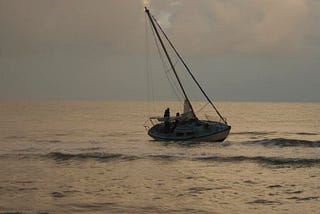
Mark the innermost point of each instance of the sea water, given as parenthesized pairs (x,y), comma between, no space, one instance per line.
(96,157)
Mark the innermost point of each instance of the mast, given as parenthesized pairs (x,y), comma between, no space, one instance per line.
(189,71)
(169,59)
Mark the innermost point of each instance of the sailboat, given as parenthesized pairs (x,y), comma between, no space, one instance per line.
(187,126)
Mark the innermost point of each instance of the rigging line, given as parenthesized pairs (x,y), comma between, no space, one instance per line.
(190,73)
(169,78)
(173,86)
(203,107)
(150,87)
(170,69)
(169,74)
(169,60)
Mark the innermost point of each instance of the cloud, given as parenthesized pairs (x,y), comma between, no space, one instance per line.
(196,27)
(280,27)
(146,3)
(246,26)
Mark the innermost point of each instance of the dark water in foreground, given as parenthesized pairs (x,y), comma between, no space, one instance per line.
(95,157)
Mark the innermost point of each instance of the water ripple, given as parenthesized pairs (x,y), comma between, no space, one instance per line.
(283,142)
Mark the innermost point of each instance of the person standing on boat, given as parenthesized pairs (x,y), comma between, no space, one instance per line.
(166,117)
(166,113)
(176,121)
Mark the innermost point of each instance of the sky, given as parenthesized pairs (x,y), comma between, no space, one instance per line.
(240,50)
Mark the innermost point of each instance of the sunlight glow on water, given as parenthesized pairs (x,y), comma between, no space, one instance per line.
(73,156)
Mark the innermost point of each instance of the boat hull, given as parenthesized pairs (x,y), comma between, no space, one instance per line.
(205,131)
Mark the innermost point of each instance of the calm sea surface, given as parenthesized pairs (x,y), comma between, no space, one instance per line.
(96,157)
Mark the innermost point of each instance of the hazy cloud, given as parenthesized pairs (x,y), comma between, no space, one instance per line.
(246,26)
(205,26)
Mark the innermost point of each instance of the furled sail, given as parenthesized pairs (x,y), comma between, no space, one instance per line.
(186,107)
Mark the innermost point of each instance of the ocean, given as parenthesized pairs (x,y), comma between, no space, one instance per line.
(96,157)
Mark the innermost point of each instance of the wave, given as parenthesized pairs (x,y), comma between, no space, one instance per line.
(252,133)
(283,142)
(81,156)
(269,133)
(20,212)
(263,201)
(306,133)
(176,157)
(110,156)
(264,160)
